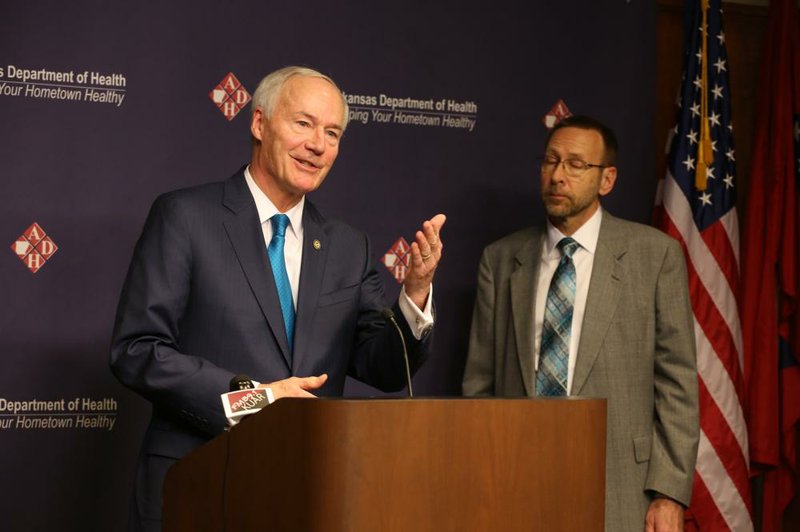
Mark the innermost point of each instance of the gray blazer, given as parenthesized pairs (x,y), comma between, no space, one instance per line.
(637,350)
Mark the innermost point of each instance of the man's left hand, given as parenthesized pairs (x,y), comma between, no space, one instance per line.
(664,515)
(426,252)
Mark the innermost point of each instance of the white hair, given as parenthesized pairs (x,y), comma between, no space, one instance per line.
(269,90)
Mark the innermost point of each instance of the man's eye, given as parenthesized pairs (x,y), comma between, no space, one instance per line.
(576,164)
(303,123)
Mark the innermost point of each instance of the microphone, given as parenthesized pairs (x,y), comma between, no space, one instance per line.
(389,315)
(241,382)
(244,399)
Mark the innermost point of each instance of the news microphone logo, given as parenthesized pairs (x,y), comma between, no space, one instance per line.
(247,400)
(244,399)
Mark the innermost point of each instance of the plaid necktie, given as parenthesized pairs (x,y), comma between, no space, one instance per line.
(276,260)
(551,377)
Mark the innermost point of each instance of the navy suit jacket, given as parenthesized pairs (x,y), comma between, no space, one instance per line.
(199,305)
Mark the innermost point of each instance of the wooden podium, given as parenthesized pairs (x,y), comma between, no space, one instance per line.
(398,465)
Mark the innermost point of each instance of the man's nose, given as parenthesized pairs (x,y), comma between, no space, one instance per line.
(316,141)
(559,172)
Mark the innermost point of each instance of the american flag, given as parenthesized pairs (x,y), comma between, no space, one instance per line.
(696,204)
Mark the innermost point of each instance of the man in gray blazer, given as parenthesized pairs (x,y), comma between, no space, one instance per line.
(616,323)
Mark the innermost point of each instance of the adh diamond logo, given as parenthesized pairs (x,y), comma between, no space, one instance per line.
(559,112)
(34,247)
(397,259)
(230,96)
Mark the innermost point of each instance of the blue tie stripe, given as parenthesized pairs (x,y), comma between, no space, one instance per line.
(278,263)
(551,377)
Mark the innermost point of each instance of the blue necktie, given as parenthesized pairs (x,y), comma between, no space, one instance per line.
(276,260)
(551,377)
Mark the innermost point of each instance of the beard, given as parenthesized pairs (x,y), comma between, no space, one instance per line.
(568,206)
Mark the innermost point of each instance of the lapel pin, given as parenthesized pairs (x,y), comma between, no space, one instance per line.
(317,244)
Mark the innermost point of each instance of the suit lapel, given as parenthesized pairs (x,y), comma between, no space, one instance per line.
(315,253)
(246,236)
(608,272)
(523,303)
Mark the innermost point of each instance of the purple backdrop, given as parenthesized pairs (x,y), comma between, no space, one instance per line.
(104,106)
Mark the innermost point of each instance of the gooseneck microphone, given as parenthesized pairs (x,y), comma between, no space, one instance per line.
(389,315)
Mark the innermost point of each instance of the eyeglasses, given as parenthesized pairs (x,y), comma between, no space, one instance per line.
(572,167)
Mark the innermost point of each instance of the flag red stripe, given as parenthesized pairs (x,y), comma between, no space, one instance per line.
(727,448)
(716,238)
(716,332)
(704,509)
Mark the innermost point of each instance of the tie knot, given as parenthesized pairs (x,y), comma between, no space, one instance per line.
(279,223)
(567,247)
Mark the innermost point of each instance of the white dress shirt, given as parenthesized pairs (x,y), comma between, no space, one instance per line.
(583,259)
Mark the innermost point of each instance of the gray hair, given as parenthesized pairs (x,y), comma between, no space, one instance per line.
(269,89)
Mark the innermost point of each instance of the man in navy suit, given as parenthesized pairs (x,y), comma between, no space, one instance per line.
(202,303)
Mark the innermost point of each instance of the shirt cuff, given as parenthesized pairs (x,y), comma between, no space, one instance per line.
(420,321)
(656,495)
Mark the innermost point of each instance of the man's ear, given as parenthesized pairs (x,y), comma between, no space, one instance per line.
(257,124)
(607,180)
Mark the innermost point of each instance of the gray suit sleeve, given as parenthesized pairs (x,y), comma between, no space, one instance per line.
(479,374)
(676,423)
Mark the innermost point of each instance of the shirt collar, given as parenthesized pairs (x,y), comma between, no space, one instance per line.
(586,235)
(266,209)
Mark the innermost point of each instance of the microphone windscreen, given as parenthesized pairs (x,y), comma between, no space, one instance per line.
(241,382)
(387,313)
